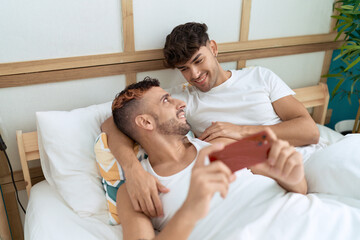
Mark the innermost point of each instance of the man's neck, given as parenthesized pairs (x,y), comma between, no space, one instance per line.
(223,76)
(169,154)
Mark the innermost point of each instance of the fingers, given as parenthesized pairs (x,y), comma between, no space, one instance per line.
(285,163)
(143,207)
(135,204)
(211,182)
(160,187)
(276,148)
(271,135)
(209,131)
(293,169)
(218,167)
(150,204)
(205,152)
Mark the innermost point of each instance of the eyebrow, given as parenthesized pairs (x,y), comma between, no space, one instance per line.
(164,96)
(194,60)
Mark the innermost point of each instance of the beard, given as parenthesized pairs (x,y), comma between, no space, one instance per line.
(173,127)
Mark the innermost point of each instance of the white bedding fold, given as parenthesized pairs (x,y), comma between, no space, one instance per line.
(49,217)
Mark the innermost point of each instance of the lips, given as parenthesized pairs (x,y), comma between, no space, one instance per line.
(180,113)
(201,79)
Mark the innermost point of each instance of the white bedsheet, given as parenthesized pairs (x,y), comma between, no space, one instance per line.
(262,212)
(48,217)
(256,208)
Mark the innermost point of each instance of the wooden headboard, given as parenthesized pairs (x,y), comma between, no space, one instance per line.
(316,97)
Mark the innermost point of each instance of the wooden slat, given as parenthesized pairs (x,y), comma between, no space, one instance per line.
(4,225)
(128,34)
(244,27)
(128,25)
(328,54)
(356,128)
(130,78)
(30,141)
(276,42)
(17,231)
(326,65)
(20,185)
(18,175)
(317,97)
(148,55)
(274,52)
(78,73)
(23,160)
(32,155)
(117,69)
(78,62)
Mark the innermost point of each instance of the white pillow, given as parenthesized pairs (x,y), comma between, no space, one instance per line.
(336,169)
(329,135)
(66,146)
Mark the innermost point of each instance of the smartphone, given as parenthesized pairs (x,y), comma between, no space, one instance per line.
(244,153)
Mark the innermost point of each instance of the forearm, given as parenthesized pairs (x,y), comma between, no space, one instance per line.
(121,146)
(298,131)
(179,227)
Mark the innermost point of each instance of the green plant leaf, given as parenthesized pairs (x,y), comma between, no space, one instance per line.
(353,85)
(333,93)
(353,63)
(346,19)
(351,47)
(342,30)
(332,75)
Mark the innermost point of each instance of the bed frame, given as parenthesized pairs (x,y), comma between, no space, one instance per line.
(316,97)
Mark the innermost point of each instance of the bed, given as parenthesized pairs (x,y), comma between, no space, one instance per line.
(71,202)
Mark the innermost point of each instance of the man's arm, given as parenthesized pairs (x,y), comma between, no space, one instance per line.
(142,187)
(205,182)
(297,126)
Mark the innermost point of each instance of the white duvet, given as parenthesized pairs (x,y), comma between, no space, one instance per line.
(256,207)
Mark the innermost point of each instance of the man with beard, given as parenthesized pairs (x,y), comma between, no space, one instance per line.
(150,116)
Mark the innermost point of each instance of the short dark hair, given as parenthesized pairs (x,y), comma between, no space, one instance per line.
(183,42)
(127,105)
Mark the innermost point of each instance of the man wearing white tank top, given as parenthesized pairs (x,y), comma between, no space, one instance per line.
(206,200)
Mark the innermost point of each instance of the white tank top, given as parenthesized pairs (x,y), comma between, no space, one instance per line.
(178,184)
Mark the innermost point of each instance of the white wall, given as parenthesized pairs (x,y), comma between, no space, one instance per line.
(42,29)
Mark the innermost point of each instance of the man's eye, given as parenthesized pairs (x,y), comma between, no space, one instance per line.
(198,61)
(166,100)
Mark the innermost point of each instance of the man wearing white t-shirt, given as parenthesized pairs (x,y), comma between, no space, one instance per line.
(220,103)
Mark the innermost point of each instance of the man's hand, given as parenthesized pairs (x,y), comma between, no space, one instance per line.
(143,189)
(205,182)
(284,164)
(228,130)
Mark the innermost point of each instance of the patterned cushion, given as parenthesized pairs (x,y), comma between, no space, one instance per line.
(111,172)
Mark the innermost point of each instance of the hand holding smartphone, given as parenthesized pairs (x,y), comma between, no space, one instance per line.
(244,153)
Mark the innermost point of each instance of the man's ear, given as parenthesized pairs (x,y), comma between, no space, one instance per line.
(213,47)
(144,121)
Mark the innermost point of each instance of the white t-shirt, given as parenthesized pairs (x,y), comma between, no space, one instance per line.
(244,99)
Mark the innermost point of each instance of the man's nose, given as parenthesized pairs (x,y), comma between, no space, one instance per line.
(195,73)
(180,104)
